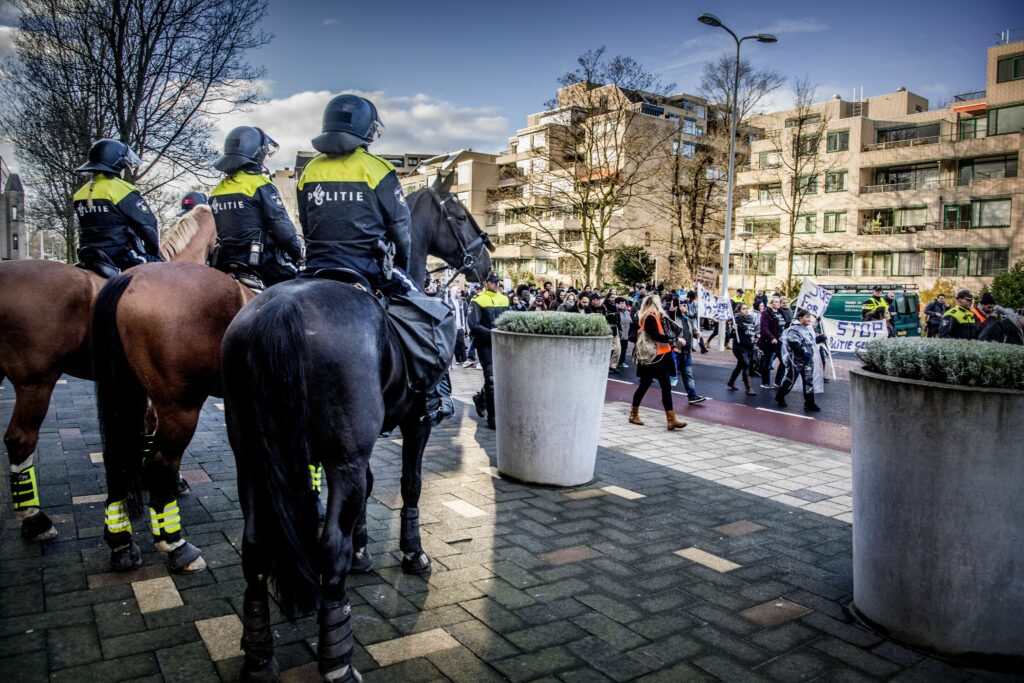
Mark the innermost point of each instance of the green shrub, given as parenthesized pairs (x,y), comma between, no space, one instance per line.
(948,361)
(554,323)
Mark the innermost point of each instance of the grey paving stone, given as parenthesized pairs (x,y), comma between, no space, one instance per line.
(185,663)
(70,646)
(484,642)
(532,665)
(133,667)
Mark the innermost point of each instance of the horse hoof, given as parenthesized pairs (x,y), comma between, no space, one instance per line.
(38,527)
(183,487)
(186,559)
(256,671)
(346,674)
(126,559)
(362,562)
(416,563)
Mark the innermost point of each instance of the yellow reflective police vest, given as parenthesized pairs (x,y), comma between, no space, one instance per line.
(962,315)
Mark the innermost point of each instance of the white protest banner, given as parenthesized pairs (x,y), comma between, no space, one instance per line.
(813,298)
(723,309)
(848,336)
(706,303)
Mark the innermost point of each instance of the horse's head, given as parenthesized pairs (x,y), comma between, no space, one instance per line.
(194,238)
(455,236)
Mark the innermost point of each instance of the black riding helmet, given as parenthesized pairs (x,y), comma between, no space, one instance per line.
(350,121)
(245,146)
(109,156)
(190,201)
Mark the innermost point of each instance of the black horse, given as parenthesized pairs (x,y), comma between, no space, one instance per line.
(312,375)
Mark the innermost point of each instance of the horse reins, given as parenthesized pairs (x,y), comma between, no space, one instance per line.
(477,244)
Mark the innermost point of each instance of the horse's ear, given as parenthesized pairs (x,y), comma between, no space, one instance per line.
(443,183)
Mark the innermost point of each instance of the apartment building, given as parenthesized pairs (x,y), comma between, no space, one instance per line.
(897,193)
(536,174)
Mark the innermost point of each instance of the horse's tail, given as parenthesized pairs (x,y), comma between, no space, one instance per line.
(120,397)
(265,388)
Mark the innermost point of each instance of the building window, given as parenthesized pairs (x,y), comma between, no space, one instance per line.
(990,213)
(14,242)
(763,226)
(835,221)
(806,222)
(689,150)
(806,145)
(803,264)
(538,140)
(807,184)
(834,264)
(973,128)
(908,263)
(689,126)
(979,262)
(927,131)
(491,218)
(647,239)
(897,178)
(541,267)
(878,264)
(1010,68)
(987,168)
(765,264)
(805,121)
(835,181)
(769,160)
(1006,120)
(768,192)
(839,141)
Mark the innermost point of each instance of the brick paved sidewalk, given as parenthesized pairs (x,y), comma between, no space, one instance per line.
(647,573)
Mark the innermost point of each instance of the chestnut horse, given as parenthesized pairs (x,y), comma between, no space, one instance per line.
(45,321)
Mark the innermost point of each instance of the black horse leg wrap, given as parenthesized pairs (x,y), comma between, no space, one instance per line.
(360,537)
(410,538)
(257,639)
(35,525)
(335,646)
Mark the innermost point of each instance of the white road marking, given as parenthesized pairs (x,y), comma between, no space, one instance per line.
(780,412)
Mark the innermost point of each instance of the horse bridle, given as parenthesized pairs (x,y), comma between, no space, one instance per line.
(476,246)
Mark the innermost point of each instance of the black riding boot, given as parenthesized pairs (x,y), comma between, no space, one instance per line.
(439,401)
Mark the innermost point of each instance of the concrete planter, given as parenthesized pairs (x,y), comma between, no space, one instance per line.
(938,514)
(548,395)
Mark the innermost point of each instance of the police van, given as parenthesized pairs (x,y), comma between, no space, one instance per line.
(904,305)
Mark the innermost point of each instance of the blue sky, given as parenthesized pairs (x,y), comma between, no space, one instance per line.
(457,74)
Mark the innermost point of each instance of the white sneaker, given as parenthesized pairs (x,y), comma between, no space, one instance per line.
(469,364)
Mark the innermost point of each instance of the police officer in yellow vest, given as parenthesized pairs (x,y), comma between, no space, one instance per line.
(484,309)
(736,301)
(253,226)
(959,322)
(114,221)
(351,206)
(874,303)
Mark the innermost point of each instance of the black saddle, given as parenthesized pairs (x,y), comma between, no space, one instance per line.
(245,274)
(96,261)
(345,275)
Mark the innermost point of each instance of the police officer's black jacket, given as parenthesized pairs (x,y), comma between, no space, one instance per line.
(246,206)
(346,204)
(112,214)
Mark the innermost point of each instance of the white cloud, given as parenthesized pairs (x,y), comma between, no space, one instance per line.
(784,26)
(330,21)
(414,124)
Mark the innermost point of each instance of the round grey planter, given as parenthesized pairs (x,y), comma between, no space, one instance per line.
(938,513)
(548,396)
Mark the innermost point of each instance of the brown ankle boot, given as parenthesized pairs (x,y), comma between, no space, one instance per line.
(673,423)
(634,416)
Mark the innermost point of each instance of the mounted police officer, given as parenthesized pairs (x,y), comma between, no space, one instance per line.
(253,227)
(351,206)
(354,215)
(115,224)
(190,201)
(959,322)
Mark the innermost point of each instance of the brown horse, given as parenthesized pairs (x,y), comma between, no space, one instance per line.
(45,322)
(156,335)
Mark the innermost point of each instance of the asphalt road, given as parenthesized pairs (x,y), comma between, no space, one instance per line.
(711,379)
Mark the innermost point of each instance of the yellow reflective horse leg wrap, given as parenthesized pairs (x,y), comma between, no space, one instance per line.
(24,489)
(166,522)
(116,518)
(316,476)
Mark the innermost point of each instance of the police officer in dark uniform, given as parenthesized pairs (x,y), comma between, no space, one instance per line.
(351,205)
(253,226)
(877,301)
(959,322)
(484,310)
(190,201)
(113,218)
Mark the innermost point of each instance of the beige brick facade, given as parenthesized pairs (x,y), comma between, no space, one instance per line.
(925,193)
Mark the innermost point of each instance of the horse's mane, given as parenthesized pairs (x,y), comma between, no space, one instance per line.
(184,231)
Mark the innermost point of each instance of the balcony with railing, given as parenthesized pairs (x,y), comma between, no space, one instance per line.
(876,227)
(913,184)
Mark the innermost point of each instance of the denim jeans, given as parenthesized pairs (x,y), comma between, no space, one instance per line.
(685,362)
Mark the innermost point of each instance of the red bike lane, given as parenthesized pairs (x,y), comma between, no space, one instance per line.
(808,430)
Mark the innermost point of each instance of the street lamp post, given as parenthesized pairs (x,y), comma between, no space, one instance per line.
(744,235)
(712,20)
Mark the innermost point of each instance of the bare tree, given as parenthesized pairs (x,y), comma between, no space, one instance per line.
(800,170)
(577,184)
(755,85)
(147,72)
